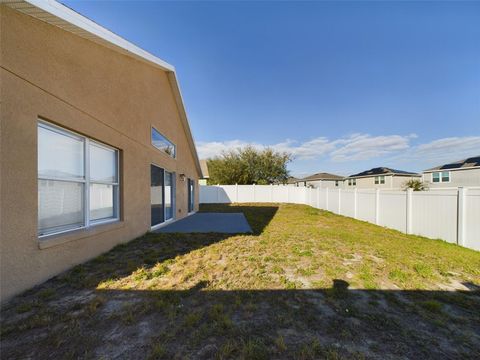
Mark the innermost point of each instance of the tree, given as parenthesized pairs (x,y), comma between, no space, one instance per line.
(249,166)
(415,184)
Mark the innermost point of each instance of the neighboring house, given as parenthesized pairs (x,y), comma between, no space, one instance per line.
(205,177)
(459,173)
(380,178)
(291,181)
(96,149)
(322,180)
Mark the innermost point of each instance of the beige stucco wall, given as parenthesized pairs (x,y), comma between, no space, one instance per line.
(49,73)
(467,177)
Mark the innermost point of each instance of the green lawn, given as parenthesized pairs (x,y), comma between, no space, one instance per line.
(307,284)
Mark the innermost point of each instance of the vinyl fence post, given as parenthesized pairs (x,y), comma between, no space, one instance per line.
(355,203)
(339,201)
(318,198)
(461,216)
(218,193)
(326,199)
(253,192)
(409,211)
(288,194)
(377,206)
(236,192)
(271,193)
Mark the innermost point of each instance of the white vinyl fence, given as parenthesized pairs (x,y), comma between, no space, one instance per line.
(450,214)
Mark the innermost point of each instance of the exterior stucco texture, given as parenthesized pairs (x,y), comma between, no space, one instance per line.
(51,74)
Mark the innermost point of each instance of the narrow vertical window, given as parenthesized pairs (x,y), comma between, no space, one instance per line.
(169,191)
(436,177)
(191,195)
(445,176)
(103,182)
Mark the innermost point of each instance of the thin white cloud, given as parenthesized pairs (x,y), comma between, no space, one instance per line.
(443,150)
(390,149)
(353,147)
(364,147)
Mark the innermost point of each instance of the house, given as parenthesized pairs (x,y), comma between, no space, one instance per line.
(380,178)
(464,172)
(322,180)
(205,177)
(292,181)
(96,148)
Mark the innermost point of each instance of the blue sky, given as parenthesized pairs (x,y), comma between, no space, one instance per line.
(343,86)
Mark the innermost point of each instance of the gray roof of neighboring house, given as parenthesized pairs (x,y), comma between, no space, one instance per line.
(465,163)
(322,176)
(292,180)
(204,166)
(382,171)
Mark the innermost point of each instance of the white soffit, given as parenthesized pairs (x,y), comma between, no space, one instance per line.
(54,13)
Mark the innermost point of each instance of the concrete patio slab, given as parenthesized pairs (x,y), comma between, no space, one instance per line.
(225,223)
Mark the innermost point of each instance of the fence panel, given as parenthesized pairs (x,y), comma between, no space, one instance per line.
(438,213)
(263,193)
(333,201)
(246,193)
(366,205)
(347,207)
(281,193)
(434,214)
(208,194)
(393,209)
(472,219)
(322,203)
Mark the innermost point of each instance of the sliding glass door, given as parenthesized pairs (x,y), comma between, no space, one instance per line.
(162,191)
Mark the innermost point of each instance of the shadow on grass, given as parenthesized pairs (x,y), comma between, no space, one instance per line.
(69,317)
(198,323)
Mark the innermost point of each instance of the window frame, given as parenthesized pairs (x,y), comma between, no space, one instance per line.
(440,177)
(174,156)
(86,181)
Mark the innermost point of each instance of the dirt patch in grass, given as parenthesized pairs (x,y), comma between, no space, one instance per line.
(305,285)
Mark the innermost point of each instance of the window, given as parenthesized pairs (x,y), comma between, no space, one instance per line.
(77,181)
(162,195)
(380,179)
(443,176)
(336,182)
(163,144)
(349,182)
(191,195)
(354,182)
